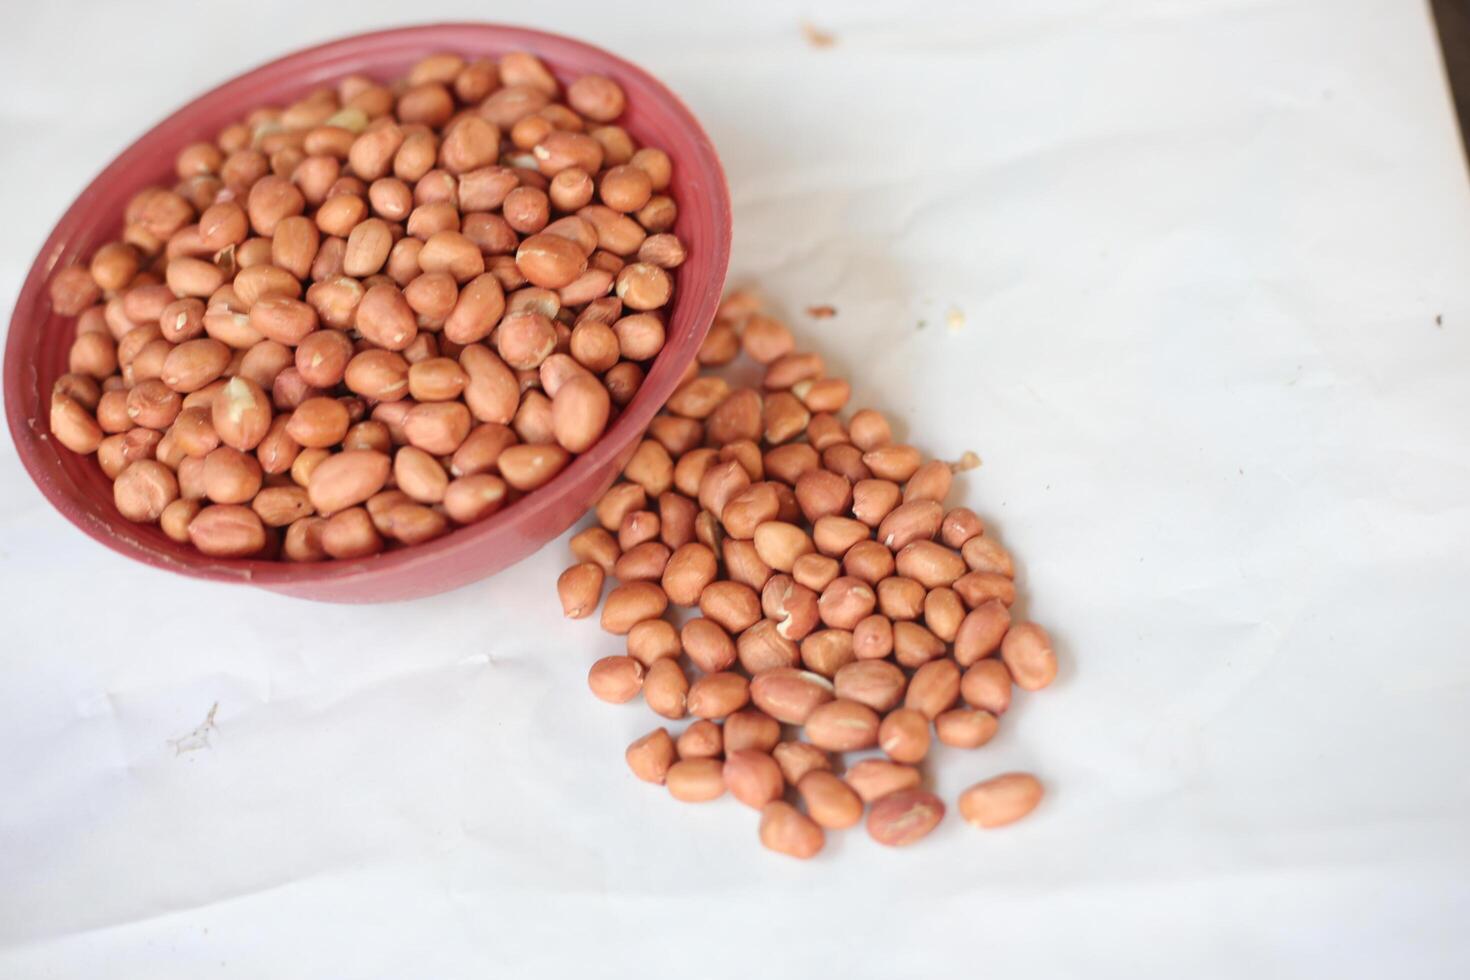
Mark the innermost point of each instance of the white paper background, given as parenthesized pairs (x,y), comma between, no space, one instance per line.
(1200,247)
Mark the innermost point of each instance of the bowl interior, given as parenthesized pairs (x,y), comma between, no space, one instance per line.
(36,349)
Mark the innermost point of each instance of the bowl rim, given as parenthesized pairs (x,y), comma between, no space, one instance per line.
(27,430)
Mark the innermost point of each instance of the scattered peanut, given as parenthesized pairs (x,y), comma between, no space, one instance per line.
(1001,800)
(787,830)
(901,818)
(833,589)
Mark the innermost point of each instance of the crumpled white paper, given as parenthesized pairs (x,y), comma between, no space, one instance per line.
(1206,262)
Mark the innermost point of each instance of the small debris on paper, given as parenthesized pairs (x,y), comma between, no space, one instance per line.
(816,37)
(968,461)
(199,737)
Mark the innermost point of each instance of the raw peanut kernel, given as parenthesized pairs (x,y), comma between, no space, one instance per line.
(830,801)
(790,695)
(982,554)
(930,564)
(905,817)
(873,779)
(934,688)
(904,736)
(707,644)
(665,687)
(751,729)
(980,632)
(701,740)
(876,683)
(1000,801)
(581,589)
(842,726)
(796,759)
(651,756)
(718,695)
(965,728)
(987,685)
(631,603)
(785,829)
(762,647)
(959,526)
(1028,654)
(616,679)
(696,780)
(751,776)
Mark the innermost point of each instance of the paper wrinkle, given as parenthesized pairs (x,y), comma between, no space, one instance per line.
(157,915)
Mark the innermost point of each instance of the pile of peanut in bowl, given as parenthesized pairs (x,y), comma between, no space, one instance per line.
(358,321)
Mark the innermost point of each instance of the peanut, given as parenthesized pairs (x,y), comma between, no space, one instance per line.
(934,687)
(652,640)
(944,612)
(831,802)
(987,685)
(346,479)
(734,606)
(876,683)
(717,695)
(651,756)
(965,728)
(873,779)
(929,563)
(751,776)
(695,780)
(750,728)
(796,759)
(707,644)
(904,735)
(977,588)
(143,489)
(1027,653)
(632,603)
(616,679)
(786,830)
(762,647)
(701,740)
(872,637)
(790,695)
(842,726)
(1001,800)
(665,688)
(914,645)
(580,588)
(983,554)
(690,568)
(902,818)
(227,531)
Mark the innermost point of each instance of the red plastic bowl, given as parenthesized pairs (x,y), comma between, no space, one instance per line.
(36,350)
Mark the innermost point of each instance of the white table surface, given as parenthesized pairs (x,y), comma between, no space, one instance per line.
(1211,258)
